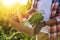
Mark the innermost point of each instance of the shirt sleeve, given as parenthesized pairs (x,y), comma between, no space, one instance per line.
(58,19)
(45,7)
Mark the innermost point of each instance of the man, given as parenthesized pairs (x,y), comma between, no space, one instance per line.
(51,9)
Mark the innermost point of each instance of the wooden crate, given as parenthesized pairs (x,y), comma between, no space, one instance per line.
(21,28)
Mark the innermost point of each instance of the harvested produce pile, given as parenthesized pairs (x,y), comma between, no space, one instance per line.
(33,19)
(7,32)
(36,17)
(13,35)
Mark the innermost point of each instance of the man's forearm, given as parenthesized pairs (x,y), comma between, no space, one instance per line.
(32,11)
(33,8)
(51,22)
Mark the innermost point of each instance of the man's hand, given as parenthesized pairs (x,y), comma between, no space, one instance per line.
(26,15)
(38,27)
(51,22)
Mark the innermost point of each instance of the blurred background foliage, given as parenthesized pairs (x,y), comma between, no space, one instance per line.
(7,11)
(7,32)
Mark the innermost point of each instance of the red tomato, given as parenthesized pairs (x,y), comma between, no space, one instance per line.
(53,36)
(53,14)
(58,27)
(58,33)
